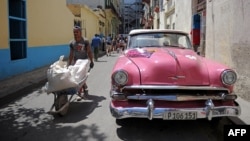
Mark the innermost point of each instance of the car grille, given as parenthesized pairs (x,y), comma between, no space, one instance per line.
(174,93)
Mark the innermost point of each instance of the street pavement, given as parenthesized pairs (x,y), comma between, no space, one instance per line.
(11,86)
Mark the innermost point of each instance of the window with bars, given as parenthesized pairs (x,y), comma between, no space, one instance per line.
(17,29)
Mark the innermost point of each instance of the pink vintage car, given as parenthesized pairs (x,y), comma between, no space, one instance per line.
(160,76)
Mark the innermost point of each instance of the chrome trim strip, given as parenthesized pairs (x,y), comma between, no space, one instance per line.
(158,87)
(208,111)
(174,97)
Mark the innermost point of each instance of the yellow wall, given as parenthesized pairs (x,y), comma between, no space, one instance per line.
(49,22)
(108,21)
(4,33)
(90,23)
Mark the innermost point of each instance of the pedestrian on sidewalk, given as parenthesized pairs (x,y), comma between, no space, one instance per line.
(113,48)
(117,44)
(95,44)
(108,45)
(80,49)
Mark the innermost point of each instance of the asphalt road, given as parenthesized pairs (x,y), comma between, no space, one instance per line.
(26,118)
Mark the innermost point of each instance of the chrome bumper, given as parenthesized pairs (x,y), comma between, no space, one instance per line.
(208,111)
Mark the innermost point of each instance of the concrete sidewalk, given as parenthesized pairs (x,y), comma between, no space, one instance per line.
(16,83)
(19,82)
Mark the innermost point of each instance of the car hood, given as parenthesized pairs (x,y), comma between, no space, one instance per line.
(171,66)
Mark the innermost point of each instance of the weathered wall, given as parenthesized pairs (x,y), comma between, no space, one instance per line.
(228,38)
(183,15)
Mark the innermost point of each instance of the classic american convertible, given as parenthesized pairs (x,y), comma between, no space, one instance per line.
(160,76)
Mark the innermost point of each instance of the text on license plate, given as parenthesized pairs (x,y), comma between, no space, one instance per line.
(180,115)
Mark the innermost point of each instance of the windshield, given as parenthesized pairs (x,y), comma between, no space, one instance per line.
(159,40)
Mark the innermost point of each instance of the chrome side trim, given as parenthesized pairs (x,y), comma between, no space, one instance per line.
(158,87)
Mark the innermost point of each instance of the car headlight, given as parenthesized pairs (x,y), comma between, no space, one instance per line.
(120,77)
(228,77)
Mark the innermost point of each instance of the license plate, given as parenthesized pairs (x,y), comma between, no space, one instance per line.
(180,115)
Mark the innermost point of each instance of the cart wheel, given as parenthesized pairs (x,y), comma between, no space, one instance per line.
(60,101)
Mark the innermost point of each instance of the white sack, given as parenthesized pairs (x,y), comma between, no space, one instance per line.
(60,63)
(80,69)
(59,77)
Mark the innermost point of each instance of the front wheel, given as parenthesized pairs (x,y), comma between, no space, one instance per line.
(61,100)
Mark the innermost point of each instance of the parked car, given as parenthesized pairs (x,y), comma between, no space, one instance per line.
(160,76)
